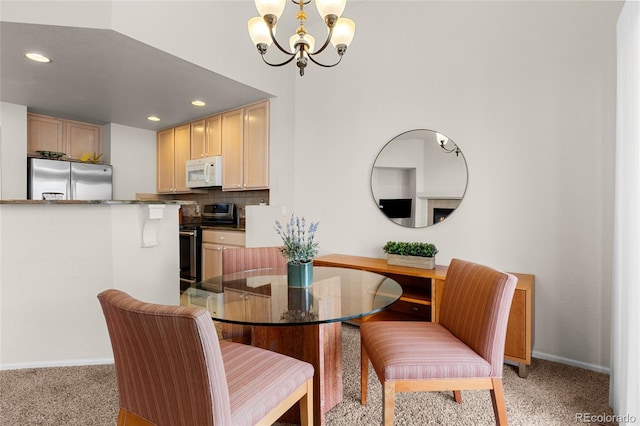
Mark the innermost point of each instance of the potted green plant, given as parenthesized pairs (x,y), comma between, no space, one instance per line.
(300,247)
(412,254)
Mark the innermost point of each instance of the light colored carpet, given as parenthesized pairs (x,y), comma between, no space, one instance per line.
(552,394)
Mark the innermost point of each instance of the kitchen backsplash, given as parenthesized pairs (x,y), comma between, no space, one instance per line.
(240,198)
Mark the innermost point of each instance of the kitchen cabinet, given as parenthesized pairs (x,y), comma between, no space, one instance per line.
(173,149)
(213,242)
(232,149)
(44,134)
(245,148)
(422,295)
(80,139)
(247,305)
(165,155)
(206,137)
(74,138)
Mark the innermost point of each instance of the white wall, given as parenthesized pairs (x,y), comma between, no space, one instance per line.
(133,155)
(13,151)
(526,90)
(55,259)
(89,14)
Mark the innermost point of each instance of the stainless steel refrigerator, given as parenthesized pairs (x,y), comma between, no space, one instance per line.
(75,181)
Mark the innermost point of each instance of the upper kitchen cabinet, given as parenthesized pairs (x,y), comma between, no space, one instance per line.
(80,139)
(173,148)
(54,134)
(44,134)
(245,148)
(206,137)
(232,149)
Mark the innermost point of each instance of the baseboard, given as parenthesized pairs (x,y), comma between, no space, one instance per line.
(49,364)
(586,366)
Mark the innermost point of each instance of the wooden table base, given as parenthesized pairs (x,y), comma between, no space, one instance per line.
(319,345)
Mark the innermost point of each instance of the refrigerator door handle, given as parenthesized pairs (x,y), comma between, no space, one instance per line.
(69,195)
(73,189)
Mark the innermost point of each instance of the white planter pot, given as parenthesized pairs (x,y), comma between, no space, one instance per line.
(412,261)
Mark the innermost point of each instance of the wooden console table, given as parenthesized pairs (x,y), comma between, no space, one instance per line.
(422,295)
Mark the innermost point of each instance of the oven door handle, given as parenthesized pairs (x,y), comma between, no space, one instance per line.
(187,233)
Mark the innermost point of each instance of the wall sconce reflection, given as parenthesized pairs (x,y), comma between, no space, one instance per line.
(446,144)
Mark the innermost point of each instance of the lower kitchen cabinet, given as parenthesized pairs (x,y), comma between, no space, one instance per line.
(247,305)
(213,242)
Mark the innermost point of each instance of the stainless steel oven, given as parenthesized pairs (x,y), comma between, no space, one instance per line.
(190,255)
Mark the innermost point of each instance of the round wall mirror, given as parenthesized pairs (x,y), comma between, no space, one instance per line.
(419,178)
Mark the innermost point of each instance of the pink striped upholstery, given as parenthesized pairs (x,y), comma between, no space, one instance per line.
(244,259)
(171,369)
(259,379)
(464,351)
(417,350)
(475,308)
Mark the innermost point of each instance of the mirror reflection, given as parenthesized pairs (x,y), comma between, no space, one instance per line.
(419,178)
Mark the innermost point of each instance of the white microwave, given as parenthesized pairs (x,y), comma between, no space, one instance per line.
(204,172)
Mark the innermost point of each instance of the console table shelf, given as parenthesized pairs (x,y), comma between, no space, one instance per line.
(422,295)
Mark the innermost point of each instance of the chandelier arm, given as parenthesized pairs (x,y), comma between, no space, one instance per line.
(323,65)
(293,56)
(273,38)
(326,43)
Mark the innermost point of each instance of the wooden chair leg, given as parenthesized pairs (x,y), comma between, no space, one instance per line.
(364,374)
(388,402)
(499,405)
(457,396)
(306,405)
(128,418)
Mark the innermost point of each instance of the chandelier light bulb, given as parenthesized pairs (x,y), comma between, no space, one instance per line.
(330,7)
(259,31)
(343,32)
(270,7)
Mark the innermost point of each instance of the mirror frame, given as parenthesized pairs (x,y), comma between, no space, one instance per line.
(448,203)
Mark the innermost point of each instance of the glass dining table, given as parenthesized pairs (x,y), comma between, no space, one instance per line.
(304,323)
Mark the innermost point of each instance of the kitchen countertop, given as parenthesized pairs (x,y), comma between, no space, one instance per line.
(225,227)
(100,202)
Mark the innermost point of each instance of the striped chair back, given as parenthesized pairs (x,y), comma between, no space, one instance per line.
(475,308)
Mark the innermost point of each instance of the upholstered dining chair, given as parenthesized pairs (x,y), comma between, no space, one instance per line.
(242,259)
(172,370)
(465,350)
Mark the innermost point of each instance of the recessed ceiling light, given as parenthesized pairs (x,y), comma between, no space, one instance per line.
(37,57)
(198,103)
(153,118)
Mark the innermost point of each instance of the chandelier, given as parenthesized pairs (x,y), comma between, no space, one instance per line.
(262,30)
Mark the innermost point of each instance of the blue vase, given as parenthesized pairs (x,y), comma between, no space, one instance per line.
(300,274)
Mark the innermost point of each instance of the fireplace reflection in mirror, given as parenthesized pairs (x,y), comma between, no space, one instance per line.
(440,214)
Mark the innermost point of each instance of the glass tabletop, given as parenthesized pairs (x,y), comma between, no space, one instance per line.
(262,296)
